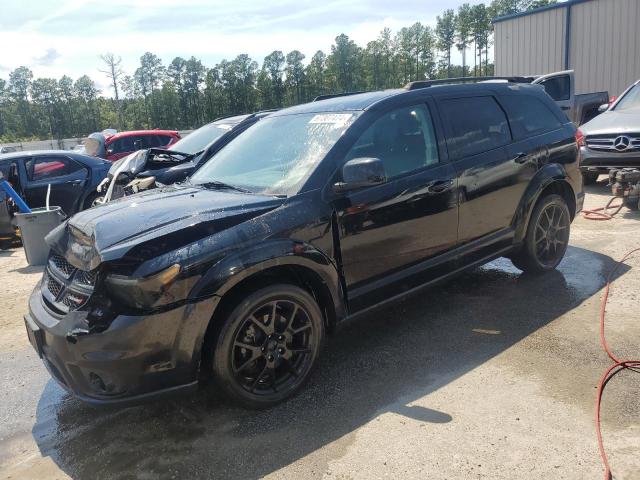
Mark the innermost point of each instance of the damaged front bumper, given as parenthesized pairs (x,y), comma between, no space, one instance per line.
(135,358)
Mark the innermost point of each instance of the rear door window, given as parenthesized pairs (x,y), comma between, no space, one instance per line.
(164,140)
(475,124)
(558,88)
(148,141)
(529,116)
(43,168)
(122,145)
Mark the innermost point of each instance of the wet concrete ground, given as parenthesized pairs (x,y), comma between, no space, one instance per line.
(491,375)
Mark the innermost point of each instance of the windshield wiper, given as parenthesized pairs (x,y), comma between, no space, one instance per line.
(215,185)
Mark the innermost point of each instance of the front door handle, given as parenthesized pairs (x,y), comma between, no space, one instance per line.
(521,158)
(439,186)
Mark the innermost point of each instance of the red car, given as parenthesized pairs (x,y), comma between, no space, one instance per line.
(115,145)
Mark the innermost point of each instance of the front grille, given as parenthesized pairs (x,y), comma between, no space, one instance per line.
(622,143)
(86,278)
(73,300)
(53,286)
(62,265)
(65,287)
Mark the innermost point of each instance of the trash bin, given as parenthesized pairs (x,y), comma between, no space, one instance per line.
(34,227)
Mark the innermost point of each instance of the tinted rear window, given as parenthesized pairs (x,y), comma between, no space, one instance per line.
(476,125)
(529,115)
(558,88)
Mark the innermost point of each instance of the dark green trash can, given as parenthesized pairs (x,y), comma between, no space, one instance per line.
(34,227)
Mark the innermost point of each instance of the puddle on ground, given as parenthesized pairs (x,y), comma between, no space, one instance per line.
(494,299)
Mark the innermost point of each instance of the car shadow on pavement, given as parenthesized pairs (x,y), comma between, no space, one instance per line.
(6,253)
(380,362)
(29,269)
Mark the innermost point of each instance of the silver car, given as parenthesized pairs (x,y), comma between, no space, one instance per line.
(612,139)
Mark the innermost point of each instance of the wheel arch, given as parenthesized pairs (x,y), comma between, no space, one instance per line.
(303,266)
(552,178)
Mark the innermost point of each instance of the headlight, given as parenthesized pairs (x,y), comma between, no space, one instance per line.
(144,292)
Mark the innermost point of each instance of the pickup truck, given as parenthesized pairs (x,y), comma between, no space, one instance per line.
(560,86)
(579,108)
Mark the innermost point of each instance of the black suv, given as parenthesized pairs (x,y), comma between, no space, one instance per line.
(314,214)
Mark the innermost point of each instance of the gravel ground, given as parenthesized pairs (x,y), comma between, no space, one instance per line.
(492,375)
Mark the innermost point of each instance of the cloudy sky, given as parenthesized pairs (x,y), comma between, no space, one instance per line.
(57,37)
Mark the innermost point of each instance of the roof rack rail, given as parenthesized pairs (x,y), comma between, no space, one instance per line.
(335,95)
(445,81)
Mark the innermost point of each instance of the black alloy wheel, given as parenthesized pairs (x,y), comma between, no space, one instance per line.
(269,345)
(547,236)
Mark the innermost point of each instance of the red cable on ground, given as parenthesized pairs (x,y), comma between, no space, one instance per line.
(601,213)
(617,366)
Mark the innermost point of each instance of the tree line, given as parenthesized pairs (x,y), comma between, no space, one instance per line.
(186,94)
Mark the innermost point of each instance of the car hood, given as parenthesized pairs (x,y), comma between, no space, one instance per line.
(107,232)
(613,122)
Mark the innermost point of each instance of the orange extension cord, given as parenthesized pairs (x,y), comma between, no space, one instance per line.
(618,364)
(602,213)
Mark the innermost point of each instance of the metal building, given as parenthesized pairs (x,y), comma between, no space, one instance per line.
(599,39)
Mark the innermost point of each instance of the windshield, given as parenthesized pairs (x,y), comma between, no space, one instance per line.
(198,140)
(277,154)
(631,101)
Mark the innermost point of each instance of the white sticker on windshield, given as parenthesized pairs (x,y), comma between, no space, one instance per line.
(335,119)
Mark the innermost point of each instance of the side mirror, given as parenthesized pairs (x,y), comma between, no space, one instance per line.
(359,173)
(603,108)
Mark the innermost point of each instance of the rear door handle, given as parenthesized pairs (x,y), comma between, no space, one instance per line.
(439,186)
(521,158)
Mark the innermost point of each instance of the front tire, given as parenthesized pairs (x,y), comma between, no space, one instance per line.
(547,236)
(268,345)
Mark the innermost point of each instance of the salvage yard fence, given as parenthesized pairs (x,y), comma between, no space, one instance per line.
(59,144)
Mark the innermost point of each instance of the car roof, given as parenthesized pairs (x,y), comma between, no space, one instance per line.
(130,133)
(364,101)
(357,101)
(86,159)
(235,120)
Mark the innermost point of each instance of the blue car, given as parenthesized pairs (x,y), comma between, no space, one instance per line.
(73,178)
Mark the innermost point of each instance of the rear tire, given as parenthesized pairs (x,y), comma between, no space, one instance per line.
(590,178)
(268,345)
(547,236)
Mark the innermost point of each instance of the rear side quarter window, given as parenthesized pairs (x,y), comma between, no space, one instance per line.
(529,116)
(475,125)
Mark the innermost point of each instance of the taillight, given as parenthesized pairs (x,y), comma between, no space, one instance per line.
(612,99)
